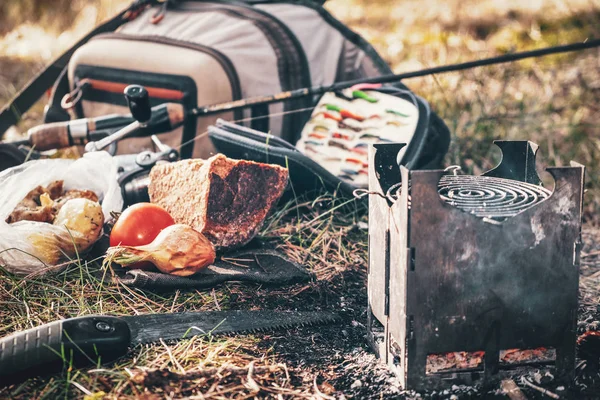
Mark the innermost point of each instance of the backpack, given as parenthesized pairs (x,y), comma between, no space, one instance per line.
(205,52)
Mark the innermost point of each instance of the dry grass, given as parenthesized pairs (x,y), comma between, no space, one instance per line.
(551,101)
(202,367)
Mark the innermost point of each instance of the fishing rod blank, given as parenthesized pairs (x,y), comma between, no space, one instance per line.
(319,90)
(172,115)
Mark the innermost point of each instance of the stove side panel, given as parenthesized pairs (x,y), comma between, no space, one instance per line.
(479,286)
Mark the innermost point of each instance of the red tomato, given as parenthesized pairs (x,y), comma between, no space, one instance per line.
(140,224)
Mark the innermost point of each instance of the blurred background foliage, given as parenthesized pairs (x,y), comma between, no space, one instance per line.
(53,15)
(553,101)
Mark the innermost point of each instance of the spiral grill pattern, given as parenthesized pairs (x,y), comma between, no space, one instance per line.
(490,197)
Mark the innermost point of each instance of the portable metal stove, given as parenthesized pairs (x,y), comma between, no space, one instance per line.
(475,264)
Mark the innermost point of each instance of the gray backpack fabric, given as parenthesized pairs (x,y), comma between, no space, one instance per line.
(207,52)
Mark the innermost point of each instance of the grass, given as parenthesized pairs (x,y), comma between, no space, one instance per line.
(335,245)
(552,101)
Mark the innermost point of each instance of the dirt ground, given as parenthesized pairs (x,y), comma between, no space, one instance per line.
(337,358)
(552,101)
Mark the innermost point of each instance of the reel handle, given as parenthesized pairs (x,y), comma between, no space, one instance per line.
(138,102)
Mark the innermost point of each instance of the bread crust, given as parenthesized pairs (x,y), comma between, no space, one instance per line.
(225,199)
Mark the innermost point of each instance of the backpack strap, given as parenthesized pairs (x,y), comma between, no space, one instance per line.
(12,112)
(54,111)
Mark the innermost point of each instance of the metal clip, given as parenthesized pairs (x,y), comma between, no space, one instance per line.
(160,14)
(136,9)
(360,193)
(454,169)
(71,99)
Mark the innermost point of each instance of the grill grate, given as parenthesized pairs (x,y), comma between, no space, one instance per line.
(484,196)
(490,197)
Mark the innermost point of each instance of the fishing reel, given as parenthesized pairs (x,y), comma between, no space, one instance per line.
(105,132)
(134,171)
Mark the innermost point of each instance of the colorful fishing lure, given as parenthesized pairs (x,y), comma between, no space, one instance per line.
(345,123)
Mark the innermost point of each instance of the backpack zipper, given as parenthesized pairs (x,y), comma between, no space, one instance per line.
(222,59)
(118,88)
(106,85)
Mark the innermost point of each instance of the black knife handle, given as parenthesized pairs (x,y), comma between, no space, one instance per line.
(62,344)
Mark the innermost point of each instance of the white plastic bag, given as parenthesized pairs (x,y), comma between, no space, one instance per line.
(24,244)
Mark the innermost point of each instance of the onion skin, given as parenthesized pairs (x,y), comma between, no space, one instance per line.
(177,250)
(84,219)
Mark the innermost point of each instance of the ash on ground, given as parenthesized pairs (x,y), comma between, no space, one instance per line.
(344,366)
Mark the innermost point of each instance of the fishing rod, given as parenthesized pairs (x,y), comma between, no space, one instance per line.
(391,78)
(98,133)
(172,115)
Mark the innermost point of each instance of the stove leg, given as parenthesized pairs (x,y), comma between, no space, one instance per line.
(417,371)
(565,355)
(491,359)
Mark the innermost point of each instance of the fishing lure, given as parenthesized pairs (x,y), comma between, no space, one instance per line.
(360,149)
(390,111)
(317,135)
(396,123)
(349,114)
(333,107)
(359,94)
(355,171)
(344,125)
(363,86)
(343,112)
(332,116)
(357,161)
(314,142)
(338,135)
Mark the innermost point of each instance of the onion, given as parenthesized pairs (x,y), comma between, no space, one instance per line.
(177,250)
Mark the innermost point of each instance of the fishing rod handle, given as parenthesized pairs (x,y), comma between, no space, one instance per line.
(165,118)
(59,345)
(58,135)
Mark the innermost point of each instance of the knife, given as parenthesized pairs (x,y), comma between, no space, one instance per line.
(96,339)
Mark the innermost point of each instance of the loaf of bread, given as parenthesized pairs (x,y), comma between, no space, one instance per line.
(227,200)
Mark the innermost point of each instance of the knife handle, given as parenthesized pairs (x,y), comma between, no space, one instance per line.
(61,344)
